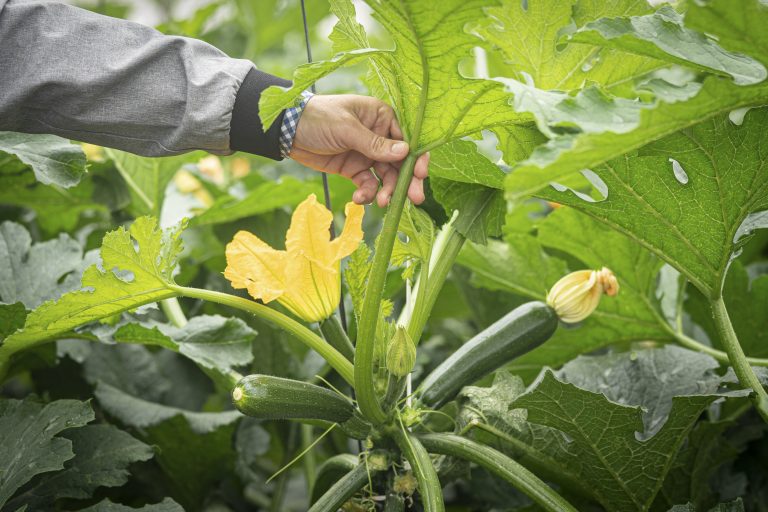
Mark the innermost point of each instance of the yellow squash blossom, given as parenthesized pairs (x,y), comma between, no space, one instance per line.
(305,277)
(576,296)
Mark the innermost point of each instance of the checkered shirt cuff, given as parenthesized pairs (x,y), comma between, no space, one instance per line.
(290,122)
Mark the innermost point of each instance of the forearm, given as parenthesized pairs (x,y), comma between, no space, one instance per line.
(87,77)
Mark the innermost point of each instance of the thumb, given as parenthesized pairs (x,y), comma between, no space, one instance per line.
(375,147)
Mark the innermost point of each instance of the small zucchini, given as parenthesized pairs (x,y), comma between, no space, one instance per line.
(275,398)
(519,331)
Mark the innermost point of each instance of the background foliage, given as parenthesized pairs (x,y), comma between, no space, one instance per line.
(657,172)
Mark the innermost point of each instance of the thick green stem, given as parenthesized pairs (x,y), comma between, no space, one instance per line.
(736,356)
(334,334)
(421,464)
(310,463)
(301,332)
(342,490)
(366,331)
(500,465)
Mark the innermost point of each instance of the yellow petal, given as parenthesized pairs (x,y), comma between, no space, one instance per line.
(313,290)
(309,232)
(350,238)
(254,265)
(577,295)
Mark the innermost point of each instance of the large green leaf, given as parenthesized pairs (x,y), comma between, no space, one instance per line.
(528,33)
(601,442)
(737,24)
(685,196)
(565,155)
(424,65)
(130,277)
(662,35)
(30,443)
(55,161)
(102,456)
(32,274)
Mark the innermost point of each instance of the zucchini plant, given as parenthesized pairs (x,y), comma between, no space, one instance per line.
(625,137)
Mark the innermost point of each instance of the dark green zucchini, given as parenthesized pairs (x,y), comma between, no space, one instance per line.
(519,331)
(275,398)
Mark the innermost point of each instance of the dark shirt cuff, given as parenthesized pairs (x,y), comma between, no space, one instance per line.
(246,133)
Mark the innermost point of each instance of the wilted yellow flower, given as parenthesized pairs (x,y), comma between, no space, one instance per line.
(576,296)
(93,153)
(187,183)
(241,167)
(210,166)
(305,277)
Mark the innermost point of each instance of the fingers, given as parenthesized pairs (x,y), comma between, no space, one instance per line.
(367,185)
(420,169)
(376,147)
(388,175)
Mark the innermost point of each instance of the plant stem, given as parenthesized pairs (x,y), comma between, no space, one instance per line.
(445,256)
(301,332)
(500,465)
(173,312)
(421,464)
(688,342)
(366,331)
(310,464)
(334,333)
(736,356)
(342,490)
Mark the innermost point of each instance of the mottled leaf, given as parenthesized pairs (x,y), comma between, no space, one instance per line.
(55,161)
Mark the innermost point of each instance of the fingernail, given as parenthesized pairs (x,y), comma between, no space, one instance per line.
(400,148)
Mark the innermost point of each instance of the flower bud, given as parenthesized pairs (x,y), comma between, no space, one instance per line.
(576,296)
(401,353)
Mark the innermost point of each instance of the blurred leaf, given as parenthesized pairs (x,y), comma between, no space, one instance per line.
(660,196)
(102,456)
(30,444)
(55,161)
(746,300)
(195,448)
(12,318)
(734,506)
(147,178)
(56,208)
(694,471)
(266,197)
(212,341)
(167,505)
(32,274)
(145,276)
(662,36)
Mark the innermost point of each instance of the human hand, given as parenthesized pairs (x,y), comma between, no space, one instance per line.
(348,135)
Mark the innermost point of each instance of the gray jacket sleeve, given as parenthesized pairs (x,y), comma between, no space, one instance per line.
(83,76)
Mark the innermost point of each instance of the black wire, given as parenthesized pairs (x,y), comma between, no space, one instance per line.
(326,189)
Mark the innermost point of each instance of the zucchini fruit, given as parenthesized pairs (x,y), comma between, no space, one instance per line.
(519,331)
(274,398)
